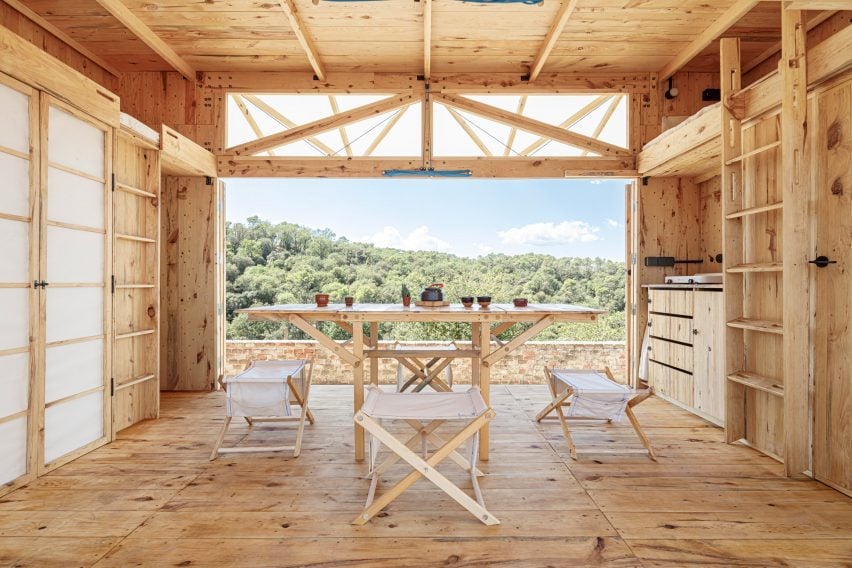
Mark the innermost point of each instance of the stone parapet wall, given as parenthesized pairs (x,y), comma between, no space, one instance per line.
(525,365)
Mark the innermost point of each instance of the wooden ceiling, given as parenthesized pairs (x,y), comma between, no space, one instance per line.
(388,36)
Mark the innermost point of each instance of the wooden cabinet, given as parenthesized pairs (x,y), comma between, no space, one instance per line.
(685,364)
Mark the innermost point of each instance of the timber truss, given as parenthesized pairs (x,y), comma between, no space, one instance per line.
(592,155)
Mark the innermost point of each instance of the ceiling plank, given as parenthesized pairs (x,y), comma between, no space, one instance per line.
(250,119)
(469,131)
(568,122)
(384,132)
(427,38)
(36,18)
(286,122)
(531,125)
(816,5)
(292,13)
(522,103)
(136,26)
(562,17)
(323,125)
(604,120)
(730,17)
(343,136)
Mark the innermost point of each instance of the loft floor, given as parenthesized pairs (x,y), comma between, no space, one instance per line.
(152,498)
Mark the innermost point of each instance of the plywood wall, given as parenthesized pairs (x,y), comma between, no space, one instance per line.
(710,219)
(189,335)
(38,36)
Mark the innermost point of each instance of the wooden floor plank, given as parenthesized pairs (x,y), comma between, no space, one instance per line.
(152,498)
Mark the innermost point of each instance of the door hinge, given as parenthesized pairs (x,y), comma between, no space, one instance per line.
(112,285)
(113,182)
(112,386)
(208,180)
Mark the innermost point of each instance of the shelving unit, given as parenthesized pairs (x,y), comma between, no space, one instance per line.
(136,295)
(753,252)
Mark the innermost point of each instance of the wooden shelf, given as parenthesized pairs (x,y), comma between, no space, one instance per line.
(756,267)
(757,325)
(755,210)
(758,382)
(135,381)
(134,238)
(135,333)
(135,190)
(754,152)
(125,286)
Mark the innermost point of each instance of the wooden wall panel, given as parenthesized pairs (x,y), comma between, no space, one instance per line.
(189,343)
(711,223)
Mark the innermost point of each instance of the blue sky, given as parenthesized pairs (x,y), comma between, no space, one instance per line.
(467,217)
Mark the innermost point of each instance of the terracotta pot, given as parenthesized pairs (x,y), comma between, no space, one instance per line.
(406,301)
(348,300)
(322,300)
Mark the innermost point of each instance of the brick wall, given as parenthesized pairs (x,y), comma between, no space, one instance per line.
(524,365)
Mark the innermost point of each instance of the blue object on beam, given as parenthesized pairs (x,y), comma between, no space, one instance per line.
(423,172)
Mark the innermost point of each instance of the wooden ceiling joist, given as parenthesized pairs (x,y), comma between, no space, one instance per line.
(730,17)
(531,125)
(122,13)
(427,39)
(292,13)
(384,131)
(250,119)
(342,130)
(74,44)
(469,131)
(276,115)
(323,125)
(522,104)
(568,122)
(604,120)
(562,17)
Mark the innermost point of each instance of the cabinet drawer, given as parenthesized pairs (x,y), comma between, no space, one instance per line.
(671,383)
(677,302)
(673,354)
(669,327)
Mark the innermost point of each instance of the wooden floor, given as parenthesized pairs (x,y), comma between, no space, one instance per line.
(152,498)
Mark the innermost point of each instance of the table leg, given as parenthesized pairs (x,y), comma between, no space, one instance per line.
(374,363)
(358,384)
(484,384)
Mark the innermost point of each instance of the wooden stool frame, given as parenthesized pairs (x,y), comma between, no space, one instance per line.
(426,467)
(304,414)
(561,399)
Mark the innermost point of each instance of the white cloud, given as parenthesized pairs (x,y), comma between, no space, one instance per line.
(550,234)
(613,223)
(596,181)
(418,239)
(484,249)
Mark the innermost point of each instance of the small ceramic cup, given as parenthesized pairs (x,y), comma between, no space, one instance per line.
(348,300)
(322,300)
(467,301)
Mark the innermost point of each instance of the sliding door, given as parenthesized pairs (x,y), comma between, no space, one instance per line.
(18,270)
(75,168)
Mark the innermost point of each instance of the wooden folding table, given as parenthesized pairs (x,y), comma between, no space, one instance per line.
(485,324)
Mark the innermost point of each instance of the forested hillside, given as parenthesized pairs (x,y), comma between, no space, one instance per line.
(287,263)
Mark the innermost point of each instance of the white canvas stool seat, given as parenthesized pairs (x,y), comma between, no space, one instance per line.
(266,392)
(423,373)
(592,395)
(425,412)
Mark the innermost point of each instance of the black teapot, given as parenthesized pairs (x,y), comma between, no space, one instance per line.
(432,293)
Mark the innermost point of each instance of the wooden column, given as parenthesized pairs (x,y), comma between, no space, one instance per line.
(484,383)
(358,383)
(374,361)
(796,196)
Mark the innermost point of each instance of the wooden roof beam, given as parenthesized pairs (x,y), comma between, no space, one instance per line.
(568,122)
(522,104)
(427,39)
(70,41)
(604,120)
(730,17)
(138,28)
(384,132)
(342,130)
(323,125)
(531,125)
(816,5)
(776,47)
(250,119)
(292,13)
(469,131)
(565,11)
(286,122)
